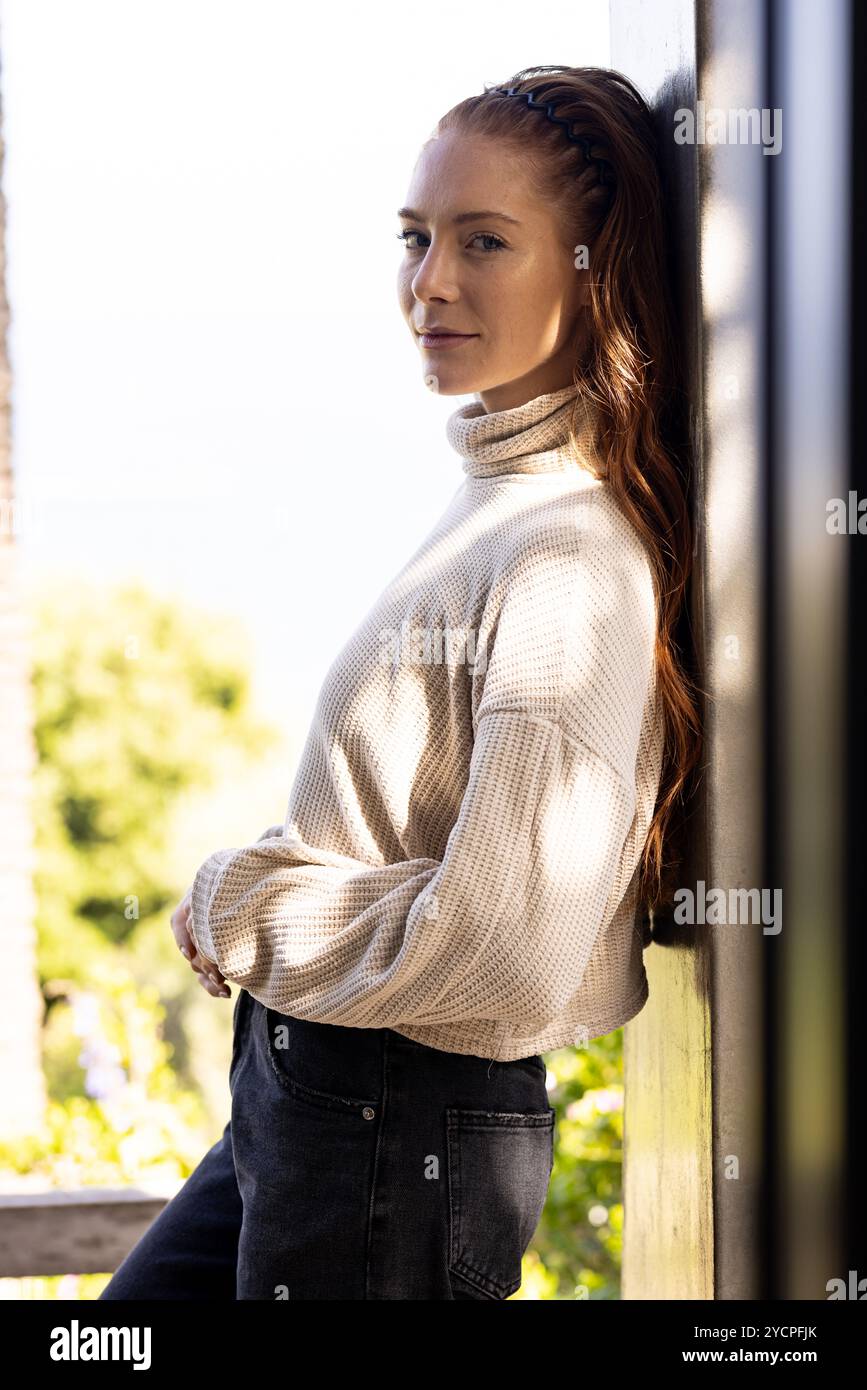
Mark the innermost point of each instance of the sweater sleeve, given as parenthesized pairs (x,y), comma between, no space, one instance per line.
(222,855)
(500,929)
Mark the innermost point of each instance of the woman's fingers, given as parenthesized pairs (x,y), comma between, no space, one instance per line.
(179,918)
(203,966)
(208,975)
(215,990)
(200,962)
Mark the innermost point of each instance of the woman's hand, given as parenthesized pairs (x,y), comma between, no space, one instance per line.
(208,975)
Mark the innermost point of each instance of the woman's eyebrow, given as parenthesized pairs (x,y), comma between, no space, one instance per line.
(461,216)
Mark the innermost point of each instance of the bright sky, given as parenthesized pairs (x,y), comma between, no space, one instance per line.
(213,387)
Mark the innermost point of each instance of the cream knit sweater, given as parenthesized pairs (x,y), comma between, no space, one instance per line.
(458,857)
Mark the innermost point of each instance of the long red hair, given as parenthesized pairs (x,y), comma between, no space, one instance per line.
(632,371)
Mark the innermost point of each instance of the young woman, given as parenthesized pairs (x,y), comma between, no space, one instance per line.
(475,832)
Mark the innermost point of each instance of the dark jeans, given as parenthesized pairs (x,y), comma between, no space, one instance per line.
(357,1164)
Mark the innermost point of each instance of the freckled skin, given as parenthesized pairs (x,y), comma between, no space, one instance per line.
(526,300)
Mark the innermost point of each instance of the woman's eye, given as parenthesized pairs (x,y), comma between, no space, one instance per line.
(493,242)
(489,236)
(402,236)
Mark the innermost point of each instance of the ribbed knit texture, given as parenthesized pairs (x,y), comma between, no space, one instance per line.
(458,861)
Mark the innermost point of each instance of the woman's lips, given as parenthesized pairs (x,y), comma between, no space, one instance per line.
(445,340)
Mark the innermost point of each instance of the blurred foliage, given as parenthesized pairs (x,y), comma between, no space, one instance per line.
(577,1247)
(139,703)
(134,698)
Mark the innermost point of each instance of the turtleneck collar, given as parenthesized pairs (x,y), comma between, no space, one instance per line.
(529,438)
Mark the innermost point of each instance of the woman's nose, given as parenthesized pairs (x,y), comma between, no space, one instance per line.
(435,277)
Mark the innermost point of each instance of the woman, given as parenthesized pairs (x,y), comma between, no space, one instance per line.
(475,831)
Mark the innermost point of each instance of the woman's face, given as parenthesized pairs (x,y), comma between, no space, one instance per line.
(486,259)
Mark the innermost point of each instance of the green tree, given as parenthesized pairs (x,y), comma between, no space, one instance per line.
(576,1251)
(21,1082)
(139,702)
(141,706)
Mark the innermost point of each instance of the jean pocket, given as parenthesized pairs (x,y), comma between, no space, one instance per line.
(306,1067)
(499,1167)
